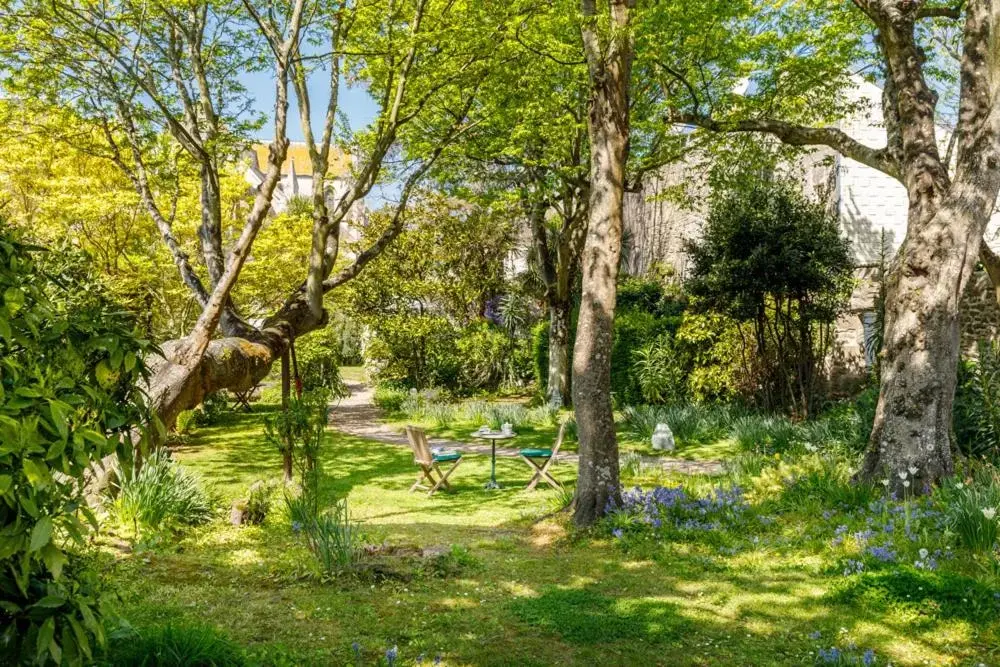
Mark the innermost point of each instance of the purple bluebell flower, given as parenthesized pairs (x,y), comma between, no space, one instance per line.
(391,655)
(815,634)
(884,554)
(830,655)
(356,647)
(296,526)
(868,658)
(617,532)
(437,659)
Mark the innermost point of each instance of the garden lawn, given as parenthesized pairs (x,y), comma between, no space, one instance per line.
(531,593)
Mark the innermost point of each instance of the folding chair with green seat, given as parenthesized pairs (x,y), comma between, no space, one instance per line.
(428,462)
(547,457)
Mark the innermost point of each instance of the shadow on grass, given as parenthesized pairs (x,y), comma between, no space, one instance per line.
(585,616)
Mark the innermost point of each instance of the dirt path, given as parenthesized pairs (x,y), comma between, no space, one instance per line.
(357,415)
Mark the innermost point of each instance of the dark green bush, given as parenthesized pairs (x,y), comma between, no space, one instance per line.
(775,260)
(70,361)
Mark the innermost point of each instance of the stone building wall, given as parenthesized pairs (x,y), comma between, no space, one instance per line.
(872,208)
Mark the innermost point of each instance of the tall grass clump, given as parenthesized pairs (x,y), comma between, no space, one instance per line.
(332,537)
(335,539)
(506,413)
(764,434)
(973,510)
(689,422)
(160,494)
(175,645)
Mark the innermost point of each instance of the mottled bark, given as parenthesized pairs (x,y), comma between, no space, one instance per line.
(558,372)
(609,63)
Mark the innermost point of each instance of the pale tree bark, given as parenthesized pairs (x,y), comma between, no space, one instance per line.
(609,60)
(910,444)
(239,361)
(558,257)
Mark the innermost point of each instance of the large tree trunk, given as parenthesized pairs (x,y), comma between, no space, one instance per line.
(911,440)
(558,375)
(912,430)
(609,66)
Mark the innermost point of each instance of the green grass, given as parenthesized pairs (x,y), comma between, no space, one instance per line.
(532,593)
(352,373)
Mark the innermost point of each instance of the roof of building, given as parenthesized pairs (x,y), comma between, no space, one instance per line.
(298,153)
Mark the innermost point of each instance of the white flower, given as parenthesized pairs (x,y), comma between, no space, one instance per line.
(810,447)
(902,474)
(923,553)
(959,485)
(885,482)
(906,483)
(913,470)
(990,513)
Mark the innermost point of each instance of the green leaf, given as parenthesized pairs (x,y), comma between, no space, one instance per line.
(45,635)
(41,534)
(50,602)
(6,481)
(14,299)
(54,559)
(60,413)
(37,473)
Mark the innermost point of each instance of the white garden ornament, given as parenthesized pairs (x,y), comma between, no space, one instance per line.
(663,438)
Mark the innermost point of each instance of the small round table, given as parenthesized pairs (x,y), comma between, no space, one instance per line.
(493,436)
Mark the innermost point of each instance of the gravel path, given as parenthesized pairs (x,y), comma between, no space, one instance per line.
(357,415)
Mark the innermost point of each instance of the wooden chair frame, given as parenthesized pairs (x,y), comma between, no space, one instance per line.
(424,459)
(542,471)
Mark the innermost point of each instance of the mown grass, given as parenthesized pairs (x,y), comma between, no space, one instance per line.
(535,593)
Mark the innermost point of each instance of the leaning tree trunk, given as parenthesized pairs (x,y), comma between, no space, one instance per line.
(558,374)
(609,67)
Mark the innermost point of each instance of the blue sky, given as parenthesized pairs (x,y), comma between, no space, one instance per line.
(354,102)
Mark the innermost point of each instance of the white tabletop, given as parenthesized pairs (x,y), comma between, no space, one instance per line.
(494,435)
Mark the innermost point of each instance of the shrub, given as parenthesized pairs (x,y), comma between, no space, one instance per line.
(298,432)
(976,417)
(770,257)
(659,373)
(212,411)
(70,365)
(186,422)
(175,645)
(160,494)
(490,358)
(633,330)
(389,399)
(319,356)
(414,351)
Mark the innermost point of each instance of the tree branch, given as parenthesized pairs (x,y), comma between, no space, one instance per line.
(799,135)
